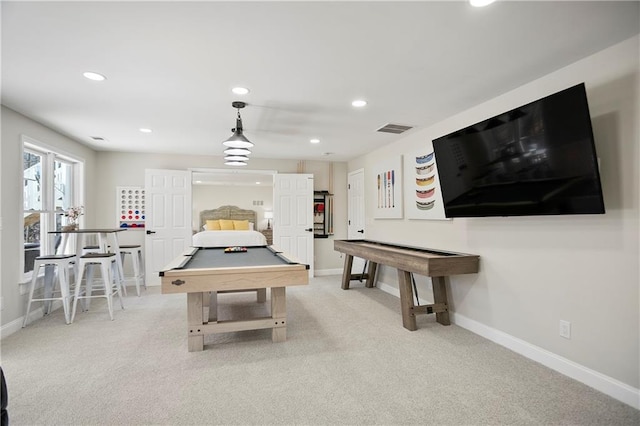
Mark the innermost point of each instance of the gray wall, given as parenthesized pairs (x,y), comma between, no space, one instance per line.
(536,271)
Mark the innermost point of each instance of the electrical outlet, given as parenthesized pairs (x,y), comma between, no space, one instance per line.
(565,329)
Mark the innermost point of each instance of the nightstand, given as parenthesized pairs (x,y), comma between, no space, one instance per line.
(268,234)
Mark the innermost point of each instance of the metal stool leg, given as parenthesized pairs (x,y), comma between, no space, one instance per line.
(108,286)
(34,278)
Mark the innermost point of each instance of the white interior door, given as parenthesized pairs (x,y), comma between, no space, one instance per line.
(168,218)
(355,213)
(293,216)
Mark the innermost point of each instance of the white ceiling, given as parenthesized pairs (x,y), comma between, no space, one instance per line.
(170,67)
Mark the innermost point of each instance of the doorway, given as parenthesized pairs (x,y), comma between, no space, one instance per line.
(246,189)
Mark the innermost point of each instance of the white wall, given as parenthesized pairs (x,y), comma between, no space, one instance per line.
(536,271)
(14,125)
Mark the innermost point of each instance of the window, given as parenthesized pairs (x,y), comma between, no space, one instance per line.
(51,185)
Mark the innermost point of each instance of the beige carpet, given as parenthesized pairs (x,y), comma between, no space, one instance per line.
(347,360)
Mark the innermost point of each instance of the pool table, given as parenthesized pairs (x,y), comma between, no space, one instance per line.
(202,273)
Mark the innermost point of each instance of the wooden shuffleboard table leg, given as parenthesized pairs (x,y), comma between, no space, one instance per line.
(346,273)
(440,296)
(194,322)
(406,300)
(371,274)
(279,314)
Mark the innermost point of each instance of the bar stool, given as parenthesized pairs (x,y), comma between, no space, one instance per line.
(110,286)
(96,249)
(135,250)
(62,263)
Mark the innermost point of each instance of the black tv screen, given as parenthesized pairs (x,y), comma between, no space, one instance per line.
(538,159)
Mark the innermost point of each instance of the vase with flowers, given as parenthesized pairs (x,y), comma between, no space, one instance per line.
(73,214)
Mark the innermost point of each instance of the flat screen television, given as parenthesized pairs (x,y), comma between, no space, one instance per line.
(538,159)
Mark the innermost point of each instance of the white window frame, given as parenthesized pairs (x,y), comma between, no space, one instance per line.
(50,155)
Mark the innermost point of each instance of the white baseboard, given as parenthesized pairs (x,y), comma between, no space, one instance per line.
(605,384)
(14,326)
(325,272)
(394,291)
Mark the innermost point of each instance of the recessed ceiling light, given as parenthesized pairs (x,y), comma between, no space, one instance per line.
(235,163)
(257,183)
(240,90)
(94,76)
(145,130)
(314,140)
(480,3)
(359,103)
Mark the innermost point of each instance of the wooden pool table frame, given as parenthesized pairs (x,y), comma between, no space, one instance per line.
(202,286)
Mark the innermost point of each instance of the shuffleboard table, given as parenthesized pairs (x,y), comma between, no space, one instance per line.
(202,273)
(436,264)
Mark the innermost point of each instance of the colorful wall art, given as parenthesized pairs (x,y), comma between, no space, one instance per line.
(131,208)
(388,185)
(423,199)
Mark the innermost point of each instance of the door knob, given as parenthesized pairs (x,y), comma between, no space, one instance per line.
(361,231)
(150,232)
(309,229)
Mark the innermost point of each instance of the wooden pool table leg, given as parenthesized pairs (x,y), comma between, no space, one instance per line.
(279,314)
(262,295)
(212,315)
(194,321)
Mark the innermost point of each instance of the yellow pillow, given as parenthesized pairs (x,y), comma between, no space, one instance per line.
(226,225)
(241,225)
(213,225)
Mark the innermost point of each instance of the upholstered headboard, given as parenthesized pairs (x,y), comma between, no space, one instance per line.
(227,212)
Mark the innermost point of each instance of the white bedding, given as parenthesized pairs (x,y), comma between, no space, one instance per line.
(228,239)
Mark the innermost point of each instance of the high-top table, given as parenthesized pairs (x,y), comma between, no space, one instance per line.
(436,264)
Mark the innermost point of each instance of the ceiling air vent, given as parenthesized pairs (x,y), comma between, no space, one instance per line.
(394,128)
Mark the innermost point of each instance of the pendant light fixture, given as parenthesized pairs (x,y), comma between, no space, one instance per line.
(237,146)
(236,151)
(236,158)
(237,140)
(235,163)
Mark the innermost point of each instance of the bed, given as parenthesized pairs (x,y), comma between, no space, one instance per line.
(226,238)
